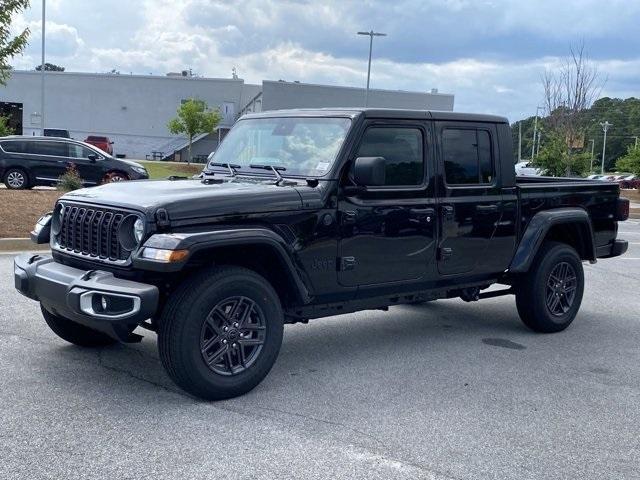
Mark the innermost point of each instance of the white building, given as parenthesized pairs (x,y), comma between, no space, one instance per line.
(133,110)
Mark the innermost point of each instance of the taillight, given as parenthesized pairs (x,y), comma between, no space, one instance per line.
(622,212)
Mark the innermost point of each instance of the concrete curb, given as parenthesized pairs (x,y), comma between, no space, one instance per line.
(20,245)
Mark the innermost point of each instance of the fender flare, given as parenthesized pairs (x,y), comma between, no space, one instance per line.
(194,242)
(538,228)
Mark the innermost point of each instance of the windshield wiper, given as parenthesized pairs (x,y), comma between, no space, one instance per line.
(276,169)
(231,166)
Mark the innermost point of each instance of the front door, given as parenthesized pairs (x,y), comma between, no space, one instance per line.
(471,203)
(388,233)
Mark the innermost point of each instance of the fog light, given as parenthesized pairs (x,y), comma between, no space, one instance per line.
(103,303)
(163,255)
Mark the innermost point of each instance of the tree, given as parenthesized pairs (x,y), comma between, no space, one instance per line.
(569,92)
(631,161)
(557,160)
(5,129)
(50,67)
(193,119)
(10,46)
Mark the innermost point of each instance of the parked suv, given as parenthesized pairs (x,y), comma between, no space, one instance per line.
(103,143)
(26,162)
(56,132)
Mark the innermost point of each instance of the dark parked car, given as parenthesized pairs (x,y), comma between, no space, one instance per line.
(313,213)
(103,143)
(26,162)
(56,132)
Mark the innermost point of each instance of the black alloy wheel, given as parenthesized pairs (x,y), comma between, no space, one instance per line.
(233,335)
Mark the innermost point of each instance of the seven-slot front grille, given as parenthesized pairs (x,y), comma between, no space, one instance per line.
(91,231)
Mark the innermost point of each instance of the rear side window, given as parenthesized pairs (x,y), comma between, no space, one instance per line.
(14,146)
(402,150)
(57,149)
(468,158)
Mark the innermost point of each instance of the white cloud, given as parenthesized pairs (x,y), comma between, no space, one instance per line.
(490,54)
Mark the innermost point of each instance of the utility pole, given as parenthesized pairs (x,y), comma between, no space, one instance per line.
(605,126)
(535,129)
(538,149)
(520,141)
(42,72)
(371,35)
(593,144)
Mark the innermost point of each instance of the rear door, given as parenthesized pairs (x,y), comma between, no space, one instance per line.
(388,232)
(470,203)
(48,159)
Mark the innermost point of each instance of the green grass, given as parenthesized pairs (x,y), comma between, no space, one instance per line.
(159,170)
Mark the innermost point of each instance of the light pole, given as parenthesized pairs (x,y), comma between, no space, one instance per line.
(371,35)
(605,126)
(519,141)
(42,71)
(535,130)
(593,144)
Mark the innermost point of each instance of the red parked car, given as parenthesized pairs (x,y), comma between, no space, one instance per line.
(103,143)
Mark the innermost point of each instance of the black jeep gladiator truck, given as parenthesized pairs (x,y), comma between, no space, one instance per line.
(304,214)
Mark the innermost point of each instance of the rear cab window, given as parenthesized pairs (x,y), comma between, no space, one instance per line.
(468,156)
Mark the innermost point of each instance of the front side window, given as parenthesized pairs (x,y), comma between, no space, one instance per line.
(467,156)
(78,151)
(402,151)
(303,146)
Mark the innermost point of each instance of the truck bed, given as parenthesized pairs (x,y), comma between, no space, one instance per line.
(598,198)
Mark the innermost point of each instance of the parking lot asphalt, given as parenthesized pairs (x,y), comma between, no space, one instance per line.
(447,390)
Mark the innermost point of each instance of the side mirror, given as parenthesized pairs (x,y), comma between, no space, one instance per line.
(93,157)
(369,171)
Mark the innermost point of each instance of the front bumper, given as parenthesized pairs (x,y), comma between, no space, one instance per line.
(81,295)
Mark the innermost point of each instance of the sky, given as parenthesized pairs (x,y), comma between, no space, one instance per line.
(490,53)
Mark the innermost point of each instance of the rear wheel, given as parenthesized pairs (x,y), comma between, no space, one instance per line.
(220,332)
(75,333)
(16,179)
(548,297)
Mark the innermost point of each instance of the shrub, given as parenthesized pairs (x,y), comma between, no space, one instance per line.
(70,180)
(5,129)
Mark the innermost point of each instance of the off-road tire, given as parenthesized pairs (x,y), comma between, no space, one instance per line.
(182,321)
(532,289)
(75,333)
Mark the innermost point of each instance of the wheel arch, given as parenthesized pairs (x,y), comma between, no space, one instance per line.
(258,249)
(571,226)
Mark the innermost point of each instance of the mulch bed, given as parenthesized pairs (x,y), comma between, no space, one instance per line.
(20,210)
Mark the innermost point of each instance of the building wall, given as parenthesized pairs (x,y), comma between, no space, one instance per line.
(280,95)
(133,110)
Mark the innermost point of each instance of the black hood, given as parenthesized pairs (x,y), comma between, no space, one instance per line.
(185,199)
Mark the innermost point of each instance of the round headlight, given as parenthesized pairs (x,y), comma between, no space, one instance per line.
(138,230)
(56,221)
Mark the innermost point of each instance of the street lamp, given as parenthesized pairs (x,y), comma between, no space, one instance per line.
(593,144)
(42,71)
(371,35)
(605,126)
(535,129)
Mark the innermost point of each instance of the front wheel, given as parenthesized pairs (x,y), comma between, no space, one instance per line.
(220,332)
(548,297)
(113,177)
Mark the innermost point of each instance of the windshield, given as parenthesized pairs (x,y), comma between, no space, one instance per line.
(306,147)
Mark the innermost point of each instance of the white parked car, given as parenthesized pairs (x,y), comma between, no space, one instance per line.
(527,169)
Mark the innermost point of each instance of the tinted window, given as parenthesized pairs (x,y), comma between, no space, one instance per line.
(14,147)
(467,156)
(402,150)
(58,149)
(78,151)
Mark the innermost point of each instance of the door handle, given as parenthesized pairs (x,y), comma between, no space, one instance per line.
(487,208)
(349,216)
(448,212)
(422,214)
